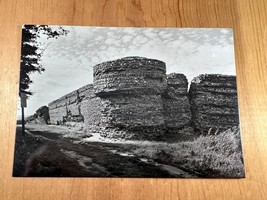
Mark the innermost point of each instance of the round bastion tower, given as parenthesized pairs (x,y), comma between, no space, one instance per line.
(129,91)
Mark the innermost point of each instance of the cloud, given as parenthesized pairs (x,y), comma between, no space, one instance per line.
(69,60)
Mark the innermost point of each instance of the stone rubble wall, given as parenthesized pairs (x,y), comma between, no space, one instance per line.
(130,75)
(176,104)
(214,102)
(76,103)
(133,98)
(131,90)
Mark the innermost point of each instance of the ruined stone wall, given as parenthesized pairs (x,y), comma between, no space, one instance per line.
(214,102)
(130,90)
(133,98)
(177,112)
(75,104)
(130,75)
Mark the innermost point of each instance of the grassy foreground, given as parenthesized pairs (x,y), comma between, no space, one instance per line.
(208,156)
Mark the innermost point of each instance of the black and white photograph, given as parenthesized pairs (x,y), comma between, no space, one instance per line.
(127,102)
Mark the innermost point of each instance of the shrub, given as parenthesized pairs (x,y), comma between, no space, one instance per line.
(208,156)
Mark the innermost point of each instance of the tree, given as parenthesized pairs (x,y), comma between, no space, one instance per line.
(31,52)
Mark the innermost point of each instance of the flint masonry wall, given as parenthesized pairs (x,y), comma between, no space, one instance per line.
(131,89)
(177,113)
(133,98)
(213,101)
(74,107)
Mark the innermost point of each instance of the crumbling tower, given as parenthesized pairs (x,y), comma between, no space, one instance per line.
(130,92)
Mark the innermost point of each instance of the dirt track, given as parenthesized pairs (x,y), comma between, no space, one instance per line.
(43,152)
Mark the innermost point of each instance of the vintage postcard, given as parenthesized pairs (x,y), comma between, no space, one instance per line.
(127,102)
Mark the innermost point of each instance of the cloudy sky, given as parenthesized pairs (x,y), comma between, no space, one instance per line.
(69,60)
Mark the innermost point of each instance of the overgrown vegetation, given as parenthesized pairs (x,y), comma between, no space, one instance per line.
(207,156)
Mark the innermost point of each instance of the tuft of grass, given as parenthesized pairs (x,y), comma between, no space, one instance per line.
(208,156)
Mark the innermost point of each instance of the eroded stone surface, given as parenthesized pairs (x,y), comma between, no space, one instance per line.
(72,108)
(214,102)
(133,98)
(176,104)
(130,75)
(130,90)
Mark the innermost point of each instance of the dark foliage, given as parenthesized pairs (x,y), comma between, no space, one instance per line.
(31,52)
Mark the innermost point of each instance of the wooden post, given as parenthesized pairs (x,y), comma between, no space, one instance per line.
(23,101)
(23,121)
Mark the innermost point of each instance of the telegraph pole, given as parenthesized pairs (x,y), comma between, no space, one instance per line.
(23,102)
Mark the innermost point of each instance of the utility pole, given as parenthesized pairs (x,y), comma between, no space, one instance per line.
(23,102)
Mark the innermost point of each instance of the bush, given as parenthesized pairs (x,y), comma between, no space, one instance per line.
(208,156)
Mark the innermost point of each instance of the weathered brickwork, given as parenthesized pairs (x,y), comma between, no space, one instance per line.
(176,104)
(72,107)
(133,98)
(130,75)
(131,89)
(214,102)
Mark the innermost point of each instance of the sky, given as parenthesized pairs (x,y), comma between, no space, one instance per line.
(69,60)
